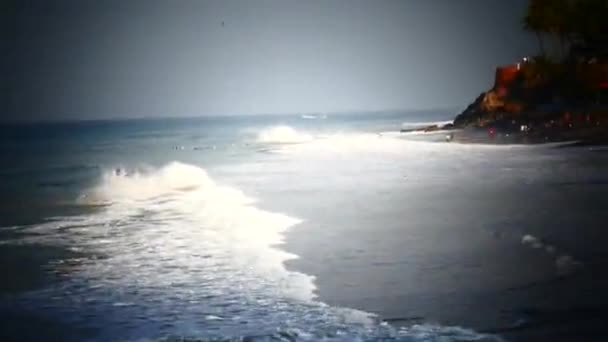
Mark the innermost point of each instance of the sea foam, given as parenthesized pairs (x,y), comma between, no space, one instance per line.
(282,134)
(185,211)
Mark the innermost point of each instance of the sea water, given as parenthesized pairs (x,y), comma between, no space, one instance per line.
(177,228)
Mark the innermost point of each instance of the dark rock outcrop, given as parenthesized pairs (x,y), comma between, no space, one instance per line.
(471,115)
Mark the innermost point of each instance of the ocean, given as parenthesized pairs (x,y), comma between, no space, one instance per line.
(292,228)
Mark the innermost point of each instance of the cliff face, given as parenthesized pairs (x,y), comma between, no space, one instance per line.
(506,76)
(472,114)
(533,91)
(493,102)
(489,106)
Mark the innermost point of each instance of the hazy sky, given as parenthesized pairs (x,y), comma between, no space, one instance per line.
(99,59)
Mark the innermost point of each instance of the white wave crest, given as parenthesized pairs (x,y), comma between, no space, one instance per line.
(531,241)
(564,264)
(173,235)
(313,117)
(282,135)
(120,186)
(185,213)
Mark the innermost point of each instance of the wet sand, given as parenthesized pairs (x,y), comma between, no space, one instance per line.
(495,286)
(454,256)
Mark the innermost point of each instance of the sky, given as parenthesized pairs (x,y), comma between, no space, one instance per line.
(85,59)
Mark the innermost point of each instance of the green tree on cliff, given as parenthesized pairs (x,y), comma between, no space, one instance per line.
(581,23)
(589,20)
(552,18)
(559,21)
(534,21)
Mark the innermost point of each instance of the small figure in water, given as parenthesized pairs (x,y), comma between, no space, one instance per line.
(118,171)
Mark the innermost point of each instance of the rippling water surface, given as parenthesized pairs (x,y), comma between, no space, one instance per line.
(176,228)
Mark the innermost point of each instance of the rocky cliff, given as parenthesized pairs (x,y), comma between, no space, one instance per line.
(537,92)
(489,106)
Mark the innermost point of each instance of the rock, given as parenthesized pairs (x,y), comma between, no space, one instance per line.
(492,102)
(471,114)
(431,128)
(513,107)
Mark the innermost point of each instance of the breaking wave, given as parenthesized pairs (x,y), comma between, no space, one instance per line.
(198,260)
(288,140)
(203,215)
(313,116)
(282,134)
(122,185)
(443,131)
(564,264)
(350,142)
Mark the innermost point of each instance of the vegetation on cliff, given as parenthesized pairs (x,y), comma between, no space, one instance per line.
(567,89)
(580,26)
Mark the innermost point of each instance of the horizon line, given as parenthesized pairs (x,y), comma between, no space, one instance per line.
(187,116)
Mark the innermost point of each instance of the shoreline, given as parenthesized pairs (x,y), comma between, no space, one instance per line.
(547,309)
(585,136)
(475,272)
